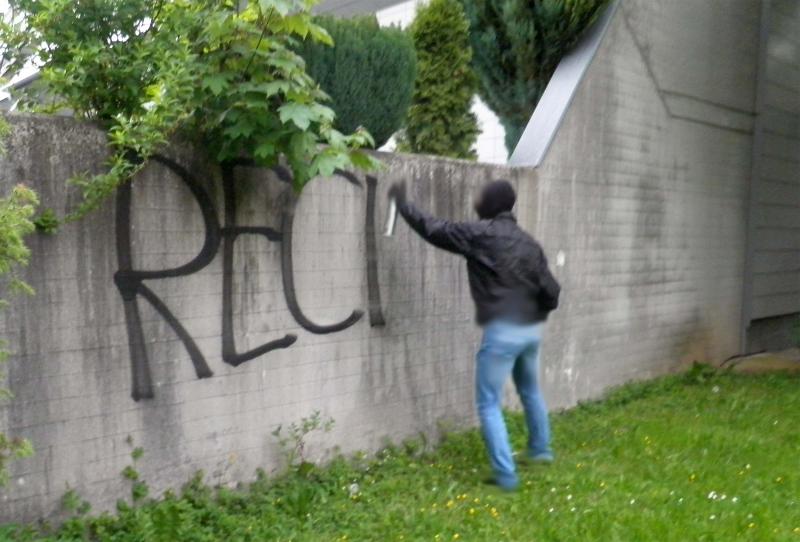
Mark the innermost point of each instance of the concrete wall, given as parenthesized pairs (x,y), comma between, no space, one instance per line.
(71,369)
(647,200)
(774,296)
(641,205)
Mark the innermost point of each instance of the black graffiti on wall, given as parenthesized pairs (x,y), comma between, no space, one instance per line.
(131,282)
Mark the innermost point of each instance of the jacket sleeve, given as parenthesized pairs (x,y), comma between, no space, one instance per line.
(549,289)
(451,236)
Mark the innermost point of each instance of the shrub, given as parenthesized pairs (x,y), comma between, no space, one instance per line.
(440,120)
(47,222)
(368,73)
(223,73)
(16,212)
(517,45)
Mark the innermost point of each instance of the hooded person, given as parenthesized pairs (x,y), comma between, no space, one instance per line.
(495,198)
(514,292)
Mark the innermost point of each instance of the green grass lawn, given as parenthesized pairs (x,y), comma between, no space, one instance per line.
(683,458)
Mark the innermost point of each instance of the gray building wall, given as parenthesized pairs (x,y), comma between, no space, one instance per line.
(773,298)
(641,205)
(648,200)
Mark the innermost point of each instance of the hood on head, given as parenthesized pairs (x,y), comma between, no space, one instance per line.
(496,197)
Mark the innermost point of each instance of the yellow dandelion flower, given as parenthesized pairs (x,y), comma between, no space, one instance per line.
(751,525)
(456,536)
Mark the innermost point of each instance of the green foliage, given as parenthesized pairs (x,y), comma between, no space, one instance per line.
(222,72)
(517,46)
(673,461)
(12,448)
(129,473)
(293,439)
(440,120)
(5,130)
(700,373)
(47,222)
(73,503)
(12,40)
(368,73)
(16,212)
(139,489)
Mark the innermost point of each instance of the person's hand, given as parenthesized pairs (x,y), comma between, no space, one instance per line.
(397,192)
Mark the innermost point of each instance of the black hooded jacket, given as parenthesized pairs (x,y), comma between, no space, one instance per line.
(508,273)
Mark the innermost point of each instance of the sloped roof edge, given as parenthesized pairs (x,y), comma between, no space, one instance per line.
(557,97)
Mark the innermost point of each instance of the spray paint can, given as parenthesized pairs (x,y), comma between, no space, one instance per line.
(391,220)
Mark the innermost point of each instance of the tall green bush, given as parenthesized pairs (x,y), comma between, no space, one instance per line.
(517,45)
(368,73)
(440,120)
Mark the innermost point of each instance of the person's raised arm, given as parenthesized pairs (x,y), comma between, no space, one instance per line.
(451,236)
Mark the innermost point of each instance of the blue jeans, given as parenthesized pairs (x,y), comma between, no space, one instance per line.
(511,349)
